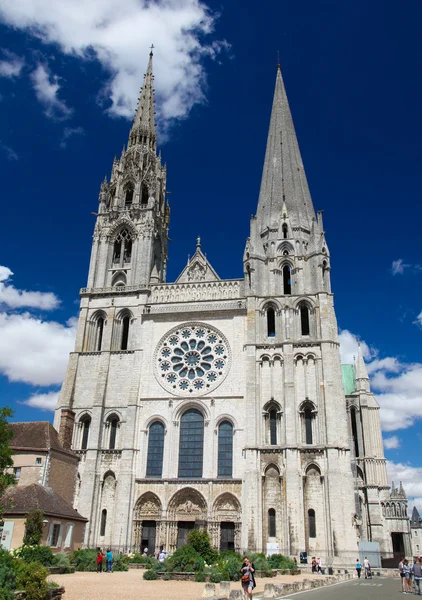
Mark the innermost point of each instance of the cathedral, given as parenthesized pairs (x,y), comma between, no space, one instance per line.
(221,404)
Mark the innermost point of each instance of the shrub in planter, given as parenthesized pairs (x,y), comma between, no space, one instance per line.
(32,577)
(39,554)
(119,562)
(279,561)
(200,576)
(216,576)
(150,575)
(232,565)
(260,562)
(61,560)
(185,558)
(200,541)
(85,559)
(138,559)
(166,577)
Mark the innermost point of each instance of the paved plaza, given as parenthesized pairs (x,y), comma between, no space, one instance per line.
(130,586)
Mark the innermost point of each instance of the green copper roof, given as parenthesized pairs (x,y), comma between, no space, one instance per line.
(349,381)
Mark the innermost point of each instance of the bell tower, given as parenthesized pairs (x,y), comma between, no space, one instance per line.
(130,236)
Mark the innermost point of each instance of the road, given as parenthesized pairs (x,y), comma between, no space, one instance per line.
(377,588)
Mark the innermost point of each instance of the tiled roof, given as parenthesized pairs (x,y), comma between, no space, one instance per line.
(20,499)
(35,435)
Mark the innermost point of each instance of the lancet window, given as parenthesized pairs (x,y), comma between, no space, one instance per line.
(311,523)
(155,450)
(271,523)
(225,449)
(122,250)
(191,444)
(129,190)
(144,194)
(287,283)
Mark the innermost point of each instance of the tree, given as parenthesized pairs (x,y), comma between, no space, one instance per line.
(6,461)
(33,528)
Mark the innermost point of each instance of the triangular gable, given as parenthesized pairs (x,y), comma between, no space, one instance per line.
(198,269)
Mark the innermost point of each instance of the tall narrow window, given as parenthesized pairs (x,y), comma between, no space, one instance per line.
(191,446)
(125,332)
(155,450)
(85,433)
(100,329)
(304,320)
(273,427)
(354,430)
(287,286)
(113,433)
(117,251)
(122,247)
(127,251)
(311,523)
(144,194)
(271,523)
(270,322)
(284,230)
(308,425)
(225,449)
(129,195)
(103,522)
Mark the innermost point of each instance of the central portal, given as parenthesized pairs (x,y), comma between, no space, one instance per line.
(183,528)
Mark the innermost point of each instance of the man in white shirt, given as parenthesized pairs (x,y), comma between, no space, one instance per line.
(367,568)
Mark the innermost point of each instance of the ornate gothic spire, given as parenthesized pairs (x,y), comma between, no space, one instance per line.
(144,121)
(283,185)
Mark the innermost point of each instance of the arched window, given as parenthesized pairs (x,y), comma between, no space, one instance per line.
(155,450)
(307,415)
(191,445)
(113,423)
(304,320)
(103,522)
(270,322)
(354,430)
(248,273)
(129,195)
(86,423)
(122,248)
(99,334)
(125,332)
(225,449)
(273,427)
(311,523)
(287,286)
(144,194)
(271,523)
(285,230)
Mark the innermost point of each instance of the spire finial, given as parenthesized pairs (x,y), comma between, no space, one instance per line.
(198,242)
(278,60)
(151,48)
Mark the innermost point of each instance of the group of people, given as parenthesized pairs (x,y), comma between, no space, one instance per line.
(316,564)
(411,576)
(366,567)
(108,556)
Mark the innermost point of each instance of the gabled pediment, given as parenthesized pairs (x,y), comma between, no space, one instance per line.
(198,269)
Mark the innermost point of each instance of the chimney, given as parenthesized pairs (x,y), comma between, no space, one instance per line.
(67,422)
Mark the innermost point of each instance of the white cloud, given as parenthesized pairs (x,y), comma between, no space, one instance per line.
(68,132)
(15,298)
(8,151)
(46,88)
(45,401)
(398,266)
(34,351)
(411,477)
(12,65)
(397,385)
(418,320)
(392,443)
(120,37)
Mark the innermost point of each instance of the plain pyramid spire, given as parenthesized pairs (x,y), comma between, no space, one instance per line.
(283,177)
(144,117)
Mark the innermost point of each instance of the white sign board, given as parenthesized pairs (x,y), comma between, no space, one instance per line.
(272,548)
(6,534)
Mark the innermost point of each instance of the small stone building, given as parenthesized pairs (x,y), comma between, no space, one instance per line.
(45,469)
(416,532)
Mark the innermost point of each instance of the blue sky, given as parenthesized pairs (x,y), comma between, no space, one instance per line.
(69,79)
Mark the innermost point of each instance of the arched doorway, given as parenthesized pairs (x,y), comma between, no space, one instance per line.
(146,523)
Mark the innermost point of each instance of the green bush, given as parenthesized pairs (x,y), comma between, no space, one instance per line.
(85,559)
(279,561)
(200,576)
(232,565)
(32,577)
(39,554)
(200,541)
(33,528)
(138,559)
(185,558)
(119,562)
(62,561)
(166,576)
(7,577)
(150,575)
(216,576)
(260,562)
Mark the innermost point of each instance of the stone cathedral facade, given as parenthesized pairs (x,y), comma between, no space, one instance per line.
(218,403)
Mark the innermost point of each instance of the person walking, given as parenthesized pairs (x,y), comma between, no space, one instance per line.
(367,567)
(358,568)
(314,565)
(248,579)
(319,565)
(401,571)
(109,557)
(417,575)
(100,558)
(407,577)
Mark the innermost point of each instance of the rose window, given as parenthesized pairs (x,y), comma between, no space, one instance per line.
(192,359)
